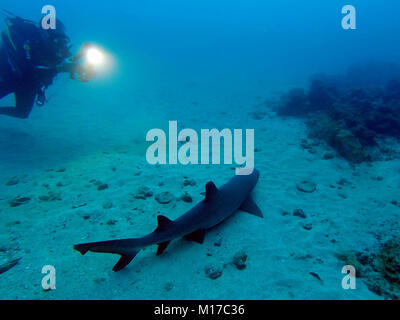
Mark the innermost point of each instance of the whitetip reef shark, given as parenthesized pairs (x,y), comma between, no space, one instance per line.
(217,206)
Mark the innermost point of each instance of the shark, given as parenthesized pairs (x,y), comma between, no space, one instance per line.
(217,205)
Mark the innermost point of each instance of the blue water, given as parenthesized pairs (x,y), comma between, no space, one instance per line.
(206,64)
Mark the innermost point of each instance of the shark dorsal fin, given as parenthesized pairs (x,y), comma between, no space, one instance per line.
(163,223)
(211,191)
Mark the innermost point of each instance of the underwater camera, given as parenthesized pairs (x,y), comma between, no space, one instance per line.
(90,60)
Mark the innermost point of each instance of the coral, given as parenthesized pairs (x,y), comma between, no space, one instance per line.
(388,261)
(239,260)
(380,268)
(348,146)
(351,112)
(294,103)
(321,95)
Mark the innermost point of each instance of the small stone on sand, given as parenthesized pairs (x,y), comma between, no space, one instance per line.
(164,197)
(306,186)
(213,272)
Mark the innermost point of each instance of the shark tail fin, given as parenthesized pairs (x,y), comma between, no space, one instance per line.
(112,246)
(82,248)
(251,207)
(124,261)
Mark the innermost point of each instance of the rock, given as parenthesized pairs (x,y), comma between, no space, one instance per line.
(168,286)
(306,226)
(164,197)
(321,95)
(18,201)
(299,213)
(107,205)
(344,182)
(218,243)
(186,197)
(143,192)
(76,206)
(102,186)
(213,272)
(348,146)
(316,276)
(8,265)
(189,182)
(395,203)
(50,196)
(239,260)
(363,258)
(322,127)
(12,181)
(294,103)
(328,155)
(99,280)
(258,115)
(388,260)
(342,194)
(379,267)
(350,258)
(306,186)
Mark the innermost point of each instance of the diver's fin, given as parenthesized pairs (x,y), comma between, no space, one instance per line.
(8,13)
(162,246)
(163,223)
(251,207)
(211,191)
(197,236)
(124,261)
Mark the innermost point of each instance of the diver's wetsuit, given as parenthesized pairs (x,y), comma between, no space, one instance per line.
(20,75)
(25,90)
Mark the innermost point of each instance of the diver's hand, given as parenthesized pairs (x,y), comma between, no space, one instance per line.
(67,66)
(74,68)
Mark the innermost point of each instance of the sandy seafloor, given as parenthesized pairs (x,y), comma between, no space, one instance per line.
(106,143)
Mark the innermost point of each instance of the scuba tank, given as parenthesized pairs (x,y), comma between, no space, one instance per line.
(25,46)
(19,38)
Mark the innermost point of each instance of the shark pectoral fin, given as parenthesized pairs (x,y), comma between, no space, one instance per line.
(211,191)
(124,261)
(162,246)
(163,223)
(197,236)
(251,207)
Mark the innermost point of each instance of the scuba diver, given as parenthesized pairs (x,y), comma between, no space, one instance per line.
(30,58)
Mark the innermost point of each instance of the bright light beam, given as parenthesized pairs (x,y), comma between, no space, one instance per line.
(94,56)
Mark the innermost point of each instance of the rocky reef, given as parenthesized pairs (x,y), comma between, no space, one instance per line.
(353,113)
(379,267)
